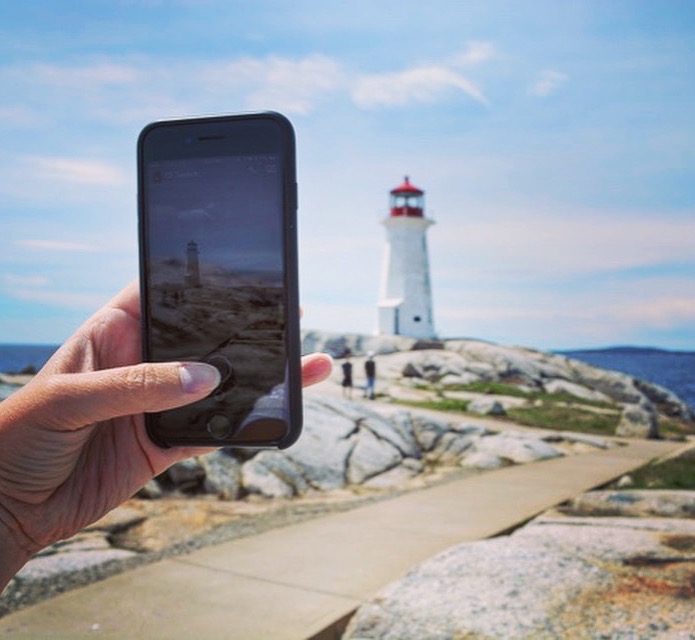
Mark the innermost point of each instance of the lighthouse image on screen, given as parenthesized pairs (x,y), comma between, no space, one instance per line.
(215,270)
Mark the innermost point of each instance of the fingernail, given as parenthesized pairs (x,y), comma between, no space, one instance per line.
(197,377)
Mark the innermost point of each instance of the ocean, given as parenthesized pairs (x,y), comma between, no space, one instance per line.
(15,358)
(674,370)
(18,358)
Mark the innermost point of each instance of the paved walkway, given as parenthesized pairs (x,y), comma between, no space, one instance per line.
(300,581)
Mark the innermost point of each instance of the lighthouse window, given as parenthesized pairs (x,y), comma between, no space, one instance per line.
(417,319)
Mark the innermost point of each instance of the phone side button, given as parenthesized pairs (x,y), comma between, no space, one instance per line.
(219,427)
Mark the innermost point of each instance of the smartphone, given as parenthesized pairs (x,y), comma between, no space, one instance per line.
(217,201)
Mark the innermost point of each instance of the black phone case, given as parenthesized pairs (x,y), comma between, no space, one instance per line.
(203,423)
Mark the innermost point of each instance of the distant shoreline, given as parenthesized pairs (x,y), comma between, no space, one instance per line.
(668,368)
(627,350)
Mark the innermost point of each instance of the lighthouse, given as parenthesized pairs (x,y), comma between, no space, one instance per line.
(405,295)
(192,275)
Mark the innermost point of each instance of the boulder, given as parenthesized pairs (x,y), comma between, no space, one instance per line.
(484,460)
(573,389)
(272,474)
(665,400)
(187,474)
(322,451)
(150,490)
(396,476)
(338,344)
(518,449)
(554,578)
(120,518)
(485,406)
(619,387)
(638,421)
(428,431)
(222,474)
(403,426)
(371,456)
(412,371)
(59,566)
(452,444)
(660,503)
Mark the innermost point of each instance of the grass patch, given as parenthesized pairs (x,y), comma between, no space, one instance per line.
(555,411)
(568,398)
(492,388)
(454,405)
(559,417)
(502,389)
(675,429)
(675,473)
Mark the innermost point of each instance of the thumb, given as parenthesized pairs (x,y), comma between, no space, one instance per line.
(77,399)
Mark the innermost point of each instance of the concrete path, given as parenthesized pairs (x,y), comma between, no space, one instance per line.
(305,580)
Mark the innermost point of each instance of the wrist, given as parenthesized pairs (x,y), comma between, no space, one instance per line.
(13,554)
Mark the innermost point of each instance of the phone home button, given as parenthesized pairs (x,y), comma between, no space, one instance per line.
(219,426)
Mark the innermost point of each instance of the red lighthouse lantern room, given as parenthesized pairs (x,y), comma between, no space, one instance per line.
(407,200)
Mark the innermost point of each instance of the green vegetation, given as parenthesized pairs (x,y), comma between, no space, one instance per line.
(674,473)
(453,405)
(673,429)
(502,389)
(557,411)
(563,417)
(492,388)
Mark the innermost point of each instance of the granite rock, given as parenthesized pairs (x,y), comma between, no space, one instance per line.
(550,579)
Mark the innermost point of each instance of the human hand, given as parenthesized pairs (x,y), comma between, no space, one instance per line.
(73,443)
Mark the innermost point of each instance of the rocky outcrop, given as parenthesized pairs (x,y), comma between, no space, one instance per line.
(340,344)
(634,504)
(554,373)
(348,444)
(460,363)
(609,577)
(638,421)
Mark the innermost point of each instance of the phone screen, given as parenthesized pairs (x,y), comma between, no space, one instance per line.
(216,234)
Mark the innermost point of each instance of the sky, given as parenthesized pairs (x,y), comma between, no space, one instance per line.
(555,143)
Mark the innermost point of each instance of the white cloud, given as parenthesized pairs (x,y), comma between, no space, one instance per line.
(17,116)
(65,299)
(87,76)
(75,170)
(475,53)
(421,84)
(658,312)
(555,319)
(424,83)
(338,317)
(536,244)
(13,280)
(294,84)
(55,245)
(123,89)
(127,89)
(547,83)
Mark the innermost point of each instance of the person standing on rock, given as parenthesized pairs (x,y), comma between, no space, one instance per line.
(347,377)
(370,373)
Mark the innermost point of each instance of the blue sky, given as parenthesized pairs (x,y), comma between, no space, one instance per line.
(555,142)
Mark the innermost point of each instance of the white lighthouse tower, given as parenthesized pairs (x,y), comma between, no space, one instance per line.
(405,296)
